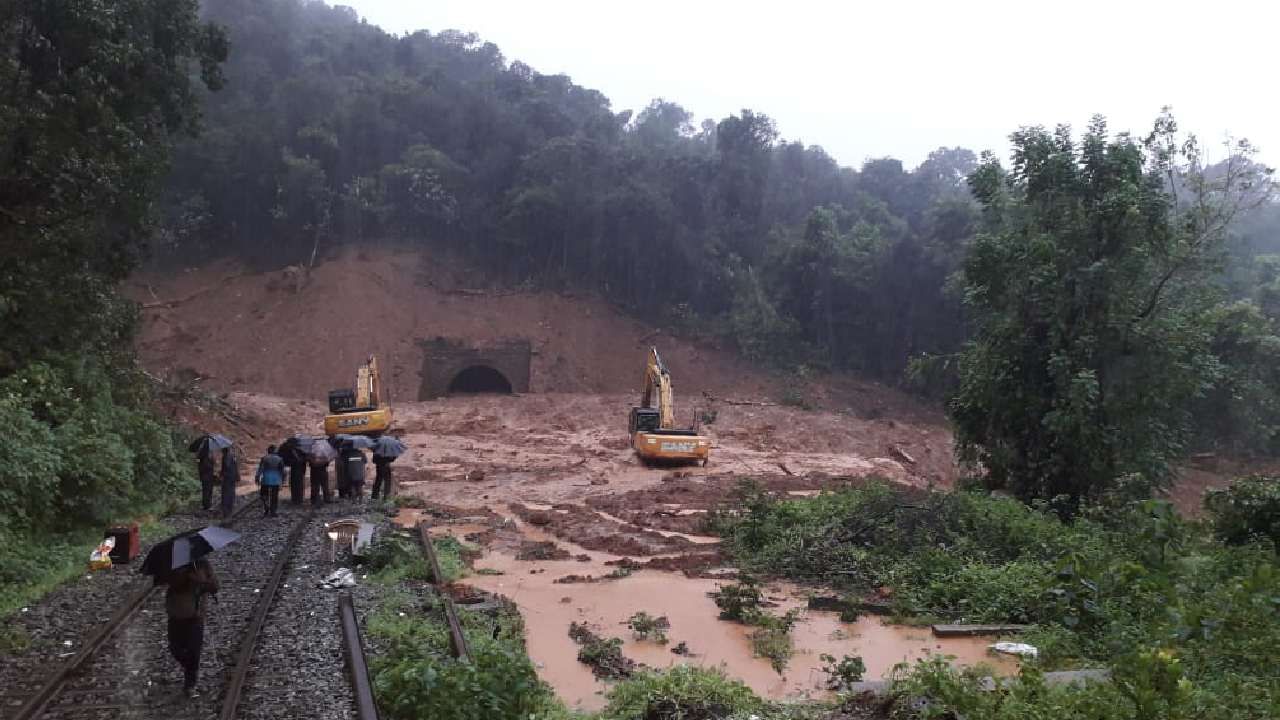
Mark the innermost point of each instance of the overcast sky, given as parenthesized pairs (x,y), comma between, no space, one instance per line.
(898,77)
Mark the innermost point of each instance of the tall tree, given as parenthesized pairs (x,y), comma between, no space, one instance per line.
(1091,290)
(89,101)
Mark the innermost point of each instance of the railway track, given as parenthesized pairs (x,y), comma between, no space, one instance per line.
(457,639)
(268,647)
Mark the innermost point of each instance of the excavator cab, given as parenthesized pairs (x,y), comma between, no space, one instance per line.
(644,419)
(654,435)
(359,410)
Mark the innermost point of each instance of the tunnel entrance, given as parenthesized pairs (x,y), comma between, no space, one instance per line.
(479,379)
(451,366)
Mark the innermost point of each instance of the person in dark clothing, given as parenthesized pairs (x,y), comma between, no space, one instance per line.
(319,483)
(353,468)
(184,604)
(270,476)
(296,460)
(204,465)
(381,475)
(230,476)
(340,470)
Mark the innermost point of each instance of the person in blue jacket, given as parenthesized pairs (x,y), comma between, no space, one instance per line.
(270,476)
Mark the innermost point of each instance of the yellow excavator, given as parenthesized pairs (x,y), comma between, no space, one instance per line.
(654,435)
(359,411)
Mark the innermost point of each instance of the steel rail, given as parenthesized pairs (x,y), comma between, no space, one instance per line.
(235,685)
(36,704)
(366,707)
(457,639)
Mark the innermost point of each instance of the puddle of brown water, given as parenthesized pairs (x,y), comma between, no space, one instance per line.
(606,605)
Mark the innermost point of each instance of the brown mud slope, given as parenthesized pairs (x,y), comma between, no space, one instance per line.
(246,331)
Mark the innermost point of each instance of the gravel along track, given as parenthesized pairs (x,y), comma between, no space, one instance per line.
(54,627)
(297,668)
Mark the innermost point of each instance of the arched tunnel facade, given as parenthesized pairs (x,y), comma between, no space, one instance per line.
(454,367)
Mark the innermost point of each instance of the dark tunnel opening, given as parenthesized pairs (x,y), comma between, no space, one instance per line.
(479,379)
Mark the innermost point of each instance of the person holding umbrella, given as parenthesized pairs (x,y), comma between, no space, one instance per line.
(270,476)
(230,476)
(291,451)
(318,456)
(385,451)
(180,563)
(351,464)
(204,447)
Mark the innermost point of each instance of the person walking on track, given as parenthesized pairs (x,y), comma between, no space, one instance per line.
(381,476)
(184,604)
(230,476)
(296,460)
(270,476)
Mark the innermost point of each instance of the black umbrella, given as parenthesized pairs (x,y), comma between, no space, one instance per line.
(184,549)
(208,443)
(294,449)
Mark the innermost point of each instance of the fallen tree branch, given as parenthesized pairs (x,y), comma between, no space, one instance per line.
(186,298)
(730,401)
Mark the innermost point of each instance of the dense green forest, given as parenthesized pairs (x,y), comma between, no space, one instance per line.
(90,103)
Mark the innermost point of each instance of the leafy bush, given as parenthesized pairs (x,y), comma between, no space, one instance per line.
(737,600)
(424,682)
(396,557)
(415,676)
(843,673)
(647,627)
(772,644)
(603,655)
(961,555)
(1246,511)
(681,693)
(742,602)
(1128,586)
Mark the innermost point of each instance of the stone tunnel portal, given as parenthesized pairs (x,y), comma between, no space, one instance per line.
(452,366)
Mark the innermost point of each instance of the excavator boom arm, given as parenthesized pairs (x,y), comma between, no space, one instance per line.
(658,380)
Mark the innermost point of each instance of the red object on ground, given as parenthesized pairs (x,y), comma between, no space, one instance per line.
(128,544)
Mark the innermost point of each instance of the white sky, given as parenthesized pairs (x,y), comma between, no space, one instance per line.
(898,77)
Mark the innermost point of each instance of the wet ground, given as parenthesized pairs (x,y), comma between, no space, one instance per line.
(588,586)
(572,528)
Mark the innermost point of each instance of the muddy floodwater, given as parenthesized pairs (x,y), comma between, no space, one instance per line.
(549,607)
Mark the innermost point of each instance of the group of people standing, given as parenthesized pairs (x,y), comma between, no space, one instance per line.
(294,457)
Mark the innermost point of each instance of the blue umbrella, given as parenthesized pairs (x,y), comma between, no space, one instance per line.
(388,447)
(359,442)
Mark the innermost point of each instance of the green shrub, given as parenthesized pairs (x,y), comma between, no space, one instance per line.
(603,655)
(737,600)
(681,693)
(842,674)
(772,644)
(1248,510)
(396,557)
(647,627)
(415,677)
(421,682)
